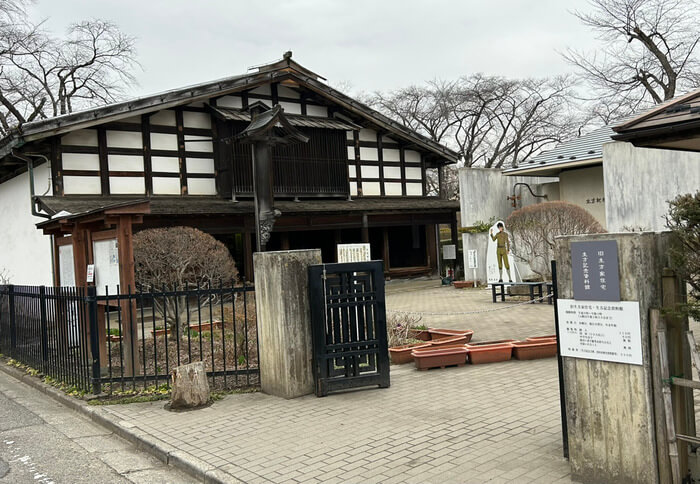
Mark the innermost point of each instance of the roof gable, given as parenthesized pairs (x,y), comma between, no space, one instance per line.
(286,72)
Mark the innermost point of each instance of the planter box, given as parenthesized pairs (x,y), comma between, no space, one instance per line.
(439,357)
(463,284)
(159,332)
(542,338)
(421,334)
(452,341)
(490,353)
(206,326)
(493,342)
(402,354)
(526,350)
(113,338)
(437,334)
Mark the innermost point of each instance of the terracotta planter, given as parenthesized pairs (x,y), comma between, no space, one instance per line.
(438,334)
(159,332)
(526,350)
(490,353)
(421,334)
(462,284)
(493,342)
(113,338)
(402,354)
(542,338)
(439,357)
(205,326)
(452,341)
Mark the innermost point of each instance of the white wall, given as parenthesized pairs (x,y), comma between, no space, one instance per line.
(483,192)
(584,187)
(639,182)
(24,251)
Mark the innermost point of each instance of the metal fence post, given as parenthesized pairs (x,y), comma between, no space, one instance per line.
(91,301)
(13,332)
(560,364)
(44,328)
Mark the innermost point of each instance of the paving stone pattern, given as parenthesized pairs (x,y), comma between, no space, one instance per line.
(488,423)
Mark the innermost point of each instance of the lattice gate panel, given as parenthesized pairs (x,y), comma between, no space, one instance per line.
(348,326)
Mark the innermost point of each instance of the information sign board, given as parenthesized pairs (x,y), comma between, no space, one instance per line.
(472,261)
(353,253)
(594,270)
(600,330)
(449,252)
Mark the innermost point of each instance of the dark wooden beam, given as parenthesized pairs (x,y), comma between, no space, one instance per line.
(380,157)
(181,151)
(56,166)
(147,164)
(104,163)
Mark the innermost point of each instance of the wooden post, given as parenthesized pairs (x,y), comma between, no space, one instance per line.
(284,240)
(385,249)
(679,362)
(127,283)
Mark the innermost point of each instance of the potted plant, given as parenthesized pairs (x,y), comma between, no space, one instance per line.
(419,332)
(531,350)
(489,353)
(438,357)
(114,335)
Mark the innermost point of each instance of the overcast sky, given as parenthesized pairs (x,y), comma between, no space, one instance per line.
(372,45)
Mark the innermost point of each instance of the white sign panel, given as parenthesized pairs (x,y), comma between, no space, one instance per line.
(449,252)
(353,253)
(106,255)
(66,269)
(472,262)
(600,330)
(90,273)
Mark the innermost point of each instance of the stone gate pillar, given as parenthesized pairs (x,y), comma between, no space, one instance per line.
(614,410)
(284,321)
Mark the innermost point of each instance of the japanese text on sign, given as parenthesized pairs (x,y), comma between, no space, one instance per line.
(594,269)
(353,253)
(600,330)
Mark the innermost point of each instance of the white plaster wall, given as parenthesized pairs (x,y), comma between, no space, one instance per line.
(483,192)
(24,251)
(639,182)
(584,187)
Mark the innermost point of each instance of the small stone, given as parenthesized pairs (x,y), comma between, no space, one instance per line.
(190,386)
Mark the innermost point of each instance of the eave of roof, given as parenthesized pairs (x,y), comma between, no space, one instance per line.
(199,92)
(629,124)
(552,169)
(200,206)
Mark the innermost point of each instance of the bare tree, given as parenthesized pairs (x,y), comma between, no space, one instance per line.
(648,55)
(491,121)
(42,76)
(176,258)
(535,227)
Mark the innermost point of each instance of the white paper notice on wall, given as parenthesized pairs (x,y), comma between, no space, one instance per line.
(106,256)
(449,252)
(600,330)
(353,253)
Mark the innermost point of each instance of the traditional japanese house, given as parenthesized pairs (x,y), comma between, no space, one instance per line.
(173,159)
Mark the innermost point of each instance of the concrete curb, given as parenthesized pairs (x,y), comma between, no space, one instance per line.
(143,441)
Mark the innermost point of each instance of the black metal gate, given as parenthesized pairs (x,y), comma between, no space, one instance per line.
(348,317)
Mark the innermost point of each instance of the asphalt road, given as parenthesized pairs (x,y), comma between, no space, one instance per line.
(43,442)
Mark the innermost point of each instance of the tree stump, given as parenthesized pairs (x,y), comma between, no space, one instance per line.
(190,386)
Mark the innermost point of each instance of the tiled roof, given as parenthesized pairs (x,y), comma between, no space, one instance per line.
(586,147)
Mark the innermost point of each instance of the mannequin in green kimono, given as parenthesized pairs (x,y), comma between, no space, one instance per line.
(502,251)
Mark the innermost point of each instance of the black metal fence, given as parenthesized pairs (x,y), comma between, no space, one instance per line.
(131,340)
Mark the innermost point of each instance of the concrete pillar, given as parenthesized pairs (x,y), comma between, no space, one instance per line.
(284,321)
(614,411)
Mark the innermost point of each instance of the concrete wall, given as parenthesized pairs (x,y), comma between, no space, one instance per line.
(585,188)
(610,407)
(25,252)
(639,182)
(483,192)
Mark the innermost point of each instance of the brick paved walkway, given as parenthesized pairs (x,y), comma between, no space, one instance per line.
(490,423)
